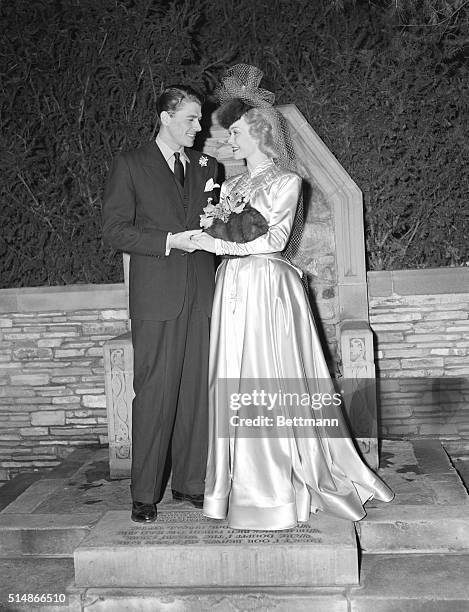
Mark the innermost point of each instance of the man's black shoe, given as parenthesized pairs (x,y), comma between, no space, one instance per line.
(195,500)
(143,513)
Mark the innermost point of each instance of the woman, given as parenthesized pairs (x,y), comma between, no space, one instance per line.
(270,472)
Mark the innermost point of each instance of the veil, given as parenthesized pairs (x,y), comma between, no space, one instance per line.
(242,81)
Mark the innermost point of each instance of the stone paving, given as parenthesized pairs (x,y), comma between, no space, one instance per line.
(419,472)
(415,550)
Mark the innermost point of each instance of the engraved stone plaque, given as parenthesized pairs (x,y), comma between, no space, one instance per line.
(188,549)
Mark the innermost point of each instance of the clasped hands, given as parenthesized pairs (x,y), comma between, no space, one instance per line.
(192,240)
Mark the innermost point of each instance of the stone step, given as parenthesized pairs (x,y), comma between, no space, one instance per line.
(217,599)
(412,583)
(47,535)
(29,576)
(183,548)
(386,529)
(414,529)
(388,583)
(34,495)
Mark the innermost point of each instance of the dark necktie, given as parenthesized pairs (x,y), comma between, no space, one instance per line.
(178,168)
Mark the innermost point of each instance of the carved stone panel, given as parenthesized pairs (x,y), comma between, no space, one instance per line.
(118,365)
(358,377)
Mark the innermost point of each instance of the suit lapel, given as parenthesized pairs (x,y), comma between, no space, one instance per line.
(157,166)
(188,200)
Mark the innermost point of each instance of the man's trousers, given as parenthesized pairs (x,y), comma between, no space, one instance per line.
(170,408)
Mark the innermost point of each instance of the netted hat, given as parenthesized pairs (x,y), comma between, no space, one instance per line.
(242,82)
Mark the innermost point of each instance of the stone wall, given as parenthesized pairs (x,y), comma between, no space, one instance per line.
(51,371)
(421,323)
(52,376)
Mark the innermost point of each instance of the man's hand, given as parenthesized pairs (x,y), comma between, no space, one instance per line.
(205,242)
(182,241)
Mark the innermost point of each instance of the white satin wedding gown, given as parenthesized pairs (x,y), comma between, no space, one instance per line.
(270,478)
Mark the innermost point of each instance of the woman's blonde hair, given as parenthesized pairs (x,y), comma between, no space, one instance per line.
(260,127)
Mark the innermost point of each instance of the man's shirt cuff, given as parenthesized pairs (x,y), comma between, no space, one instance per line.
(168,248)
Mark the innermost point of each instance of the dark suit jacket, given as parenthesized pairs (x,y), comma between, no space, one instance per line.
(142,203)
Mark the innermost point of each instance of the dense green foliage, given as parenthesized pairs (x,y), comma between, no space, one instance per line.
(386,89)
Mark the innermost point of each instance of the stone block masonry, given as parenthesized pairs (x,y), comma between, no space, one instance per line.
(420,319)
(52,375)
(51,371)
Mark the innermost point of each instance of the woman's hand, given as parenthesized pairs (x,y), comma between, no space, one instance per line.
(183,241)
(204,241)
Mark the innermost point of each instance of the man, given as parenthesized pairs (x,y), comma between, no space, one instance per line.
(151,209)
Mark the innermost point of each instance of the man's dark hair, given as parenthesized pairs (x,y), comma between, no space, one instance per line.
(174,95)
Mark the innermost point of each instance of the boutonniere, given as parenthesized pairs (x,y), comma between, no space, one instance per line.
(210,185)
(203,161)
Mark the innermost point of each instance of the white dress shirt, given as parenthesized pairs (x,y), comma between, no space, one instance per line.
(168,154)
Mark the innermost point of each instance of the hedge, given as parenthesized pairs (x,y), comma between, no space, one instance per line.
(79,84)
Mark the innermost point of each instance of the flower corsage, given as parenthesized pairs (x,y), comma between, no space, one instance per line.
(233,219)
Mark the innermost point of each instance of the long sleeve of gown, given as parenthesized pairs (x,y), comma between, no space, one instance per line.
(281,200)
